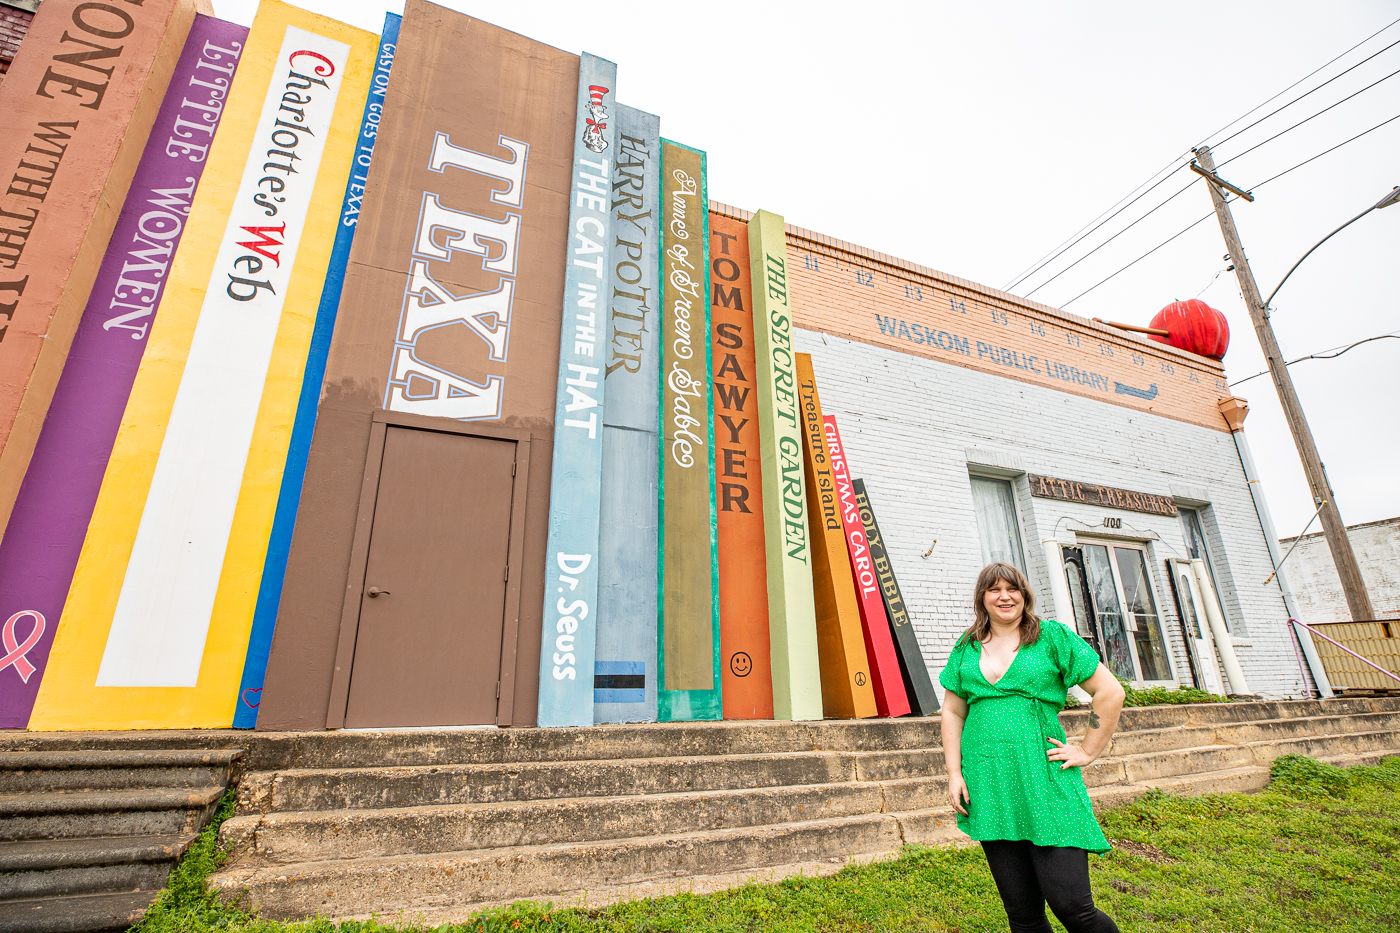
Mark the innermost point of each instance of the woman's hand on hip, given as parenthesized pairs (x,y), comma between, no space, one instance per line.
(957,793)
(1073,756)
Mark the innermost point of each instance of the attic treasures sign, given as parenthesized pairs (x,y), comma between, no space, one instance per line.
(1048,487)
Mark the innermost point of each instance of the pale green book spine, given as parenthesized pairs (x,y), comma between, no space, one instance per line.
(792,616)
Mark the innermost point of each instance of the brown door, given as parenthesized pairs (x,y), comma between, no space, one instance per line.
(428,644)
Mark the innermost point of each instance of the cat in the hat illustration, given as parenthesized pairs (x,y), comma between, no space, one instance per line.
(597,120)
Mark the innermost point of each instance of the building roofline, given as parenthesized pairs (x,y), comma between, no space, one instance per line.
(1063,317)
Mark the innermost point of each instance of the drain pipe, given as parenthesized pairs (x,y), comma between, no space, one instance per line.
(1234,674)
(1235,410)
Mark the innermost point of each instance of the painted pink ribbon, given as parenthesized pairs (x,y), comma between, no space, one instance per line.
(15,651)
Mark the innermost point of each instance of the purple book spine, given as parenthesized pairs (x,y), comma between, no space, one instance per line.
(41,545)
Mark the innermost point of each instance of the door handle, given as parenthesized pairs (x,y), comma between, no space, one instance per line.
(376,591)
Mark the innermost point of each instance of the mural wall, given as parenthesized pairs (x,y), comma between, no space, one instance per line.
(415,381)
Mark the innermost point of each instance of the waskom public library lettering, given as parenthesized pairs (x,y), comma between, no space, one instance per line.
(448,411)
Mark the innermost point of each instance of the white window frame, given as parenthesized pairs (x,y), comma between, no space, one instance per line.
(1111,543)
(1010,481)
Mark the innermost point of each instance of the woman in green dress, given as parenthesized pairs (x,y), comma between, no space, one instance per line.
(1012,776)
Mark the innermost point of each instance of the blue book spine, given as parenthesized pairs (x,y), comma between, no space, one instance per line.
(569,636)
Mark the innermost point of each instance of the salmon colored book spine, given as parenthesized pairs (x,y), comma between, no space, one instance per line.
(745,657)
(845,670)
(890,696)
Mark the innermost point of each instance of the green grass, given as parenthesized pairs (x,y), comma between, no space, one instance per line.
(1318,850)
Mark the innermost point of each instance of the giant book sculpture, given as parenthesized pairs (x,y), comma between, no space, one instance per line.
(746,660)
(688,637)
(624,671)
(912,666)
(40,549)
(846,689)
(890,696)
(792,620)
(571,607)
(162,603)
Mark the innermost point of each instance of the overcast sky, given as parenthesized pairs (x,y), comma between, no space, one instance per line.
(977,137)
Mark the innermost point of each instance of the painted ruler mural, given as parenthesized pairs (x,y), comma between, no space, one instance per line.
(917,685)
(40,549)
(688,635)
(571,606)
(849,291)
(846,689)
(890,696)
(624,678)
(792,618)
(746,659)
(190,493)
(304,426)
(78,102)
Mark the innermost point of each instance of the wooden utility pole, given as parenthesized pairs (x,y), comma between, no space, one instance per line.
(1353,586)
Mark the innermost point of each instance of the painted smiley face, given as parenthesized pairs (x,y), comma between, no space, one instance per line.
(740,664)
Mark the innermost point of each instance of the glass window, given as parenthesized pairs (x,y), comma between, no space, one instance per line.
(1196,549)
(997,528)
(1109,611)
(1137,592)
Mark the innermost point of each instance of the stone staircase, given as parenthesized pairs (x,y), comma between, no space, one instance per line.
(88,837)
(426,826)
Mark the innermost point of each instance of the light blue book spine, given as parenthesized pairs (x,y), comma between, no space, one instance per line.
(245,714)
(624,672)
(569,636)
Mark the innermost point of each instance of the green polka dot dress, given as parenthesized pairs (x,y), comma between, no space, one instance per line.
(1017,793)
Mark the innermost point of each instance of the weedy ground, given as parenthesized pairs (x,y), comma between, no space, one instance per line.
(1319,849)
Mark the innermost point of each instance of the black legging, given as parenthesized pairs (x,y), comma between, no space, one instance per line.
(1028,876)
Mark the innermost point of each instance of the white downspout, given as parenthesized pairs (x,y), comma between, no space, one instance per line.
(1266,523)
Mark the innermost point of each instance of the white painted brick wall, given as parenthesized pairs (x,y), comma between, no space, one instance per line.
(1317,587)
(908,424)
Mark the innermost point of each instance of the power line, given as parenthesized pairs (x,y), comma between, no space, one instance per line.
(1135,261)
(1212,213)
(1321,355)
(1077,237)
(1325,151)
(1060,251)
(1305,94)
(1109,240)
(1300,81)
(1306,119)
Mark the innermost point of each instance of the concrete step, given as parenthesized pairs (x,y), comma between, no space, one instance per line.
(85,913)
(1191,735)
(385,886)
(44,771)
(282,838)
(157,812)
(372,788)
(433,885)
(1158,765)
(55,867)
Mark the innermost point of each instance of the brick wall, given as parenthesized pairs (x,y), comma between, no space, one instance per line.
(1314,578)
(913,427)
(14,23)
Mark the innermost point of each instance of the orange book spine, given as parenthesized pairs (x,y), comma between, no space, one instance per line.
(846,689)
(745,658)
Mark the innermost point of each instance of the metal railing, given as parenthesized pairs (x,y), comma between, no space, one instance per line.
(1346,668)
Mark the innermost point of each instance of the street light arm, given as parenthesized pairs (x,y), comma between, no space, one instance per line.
(1391,198)
(1314,249)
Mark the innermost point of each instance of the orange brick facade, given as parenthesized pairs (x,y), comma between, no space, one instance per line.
(849,291)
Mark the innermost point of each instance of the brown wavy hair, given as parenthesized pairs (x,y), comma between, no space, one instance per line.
(991,575)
